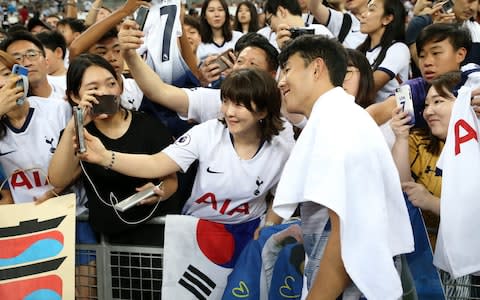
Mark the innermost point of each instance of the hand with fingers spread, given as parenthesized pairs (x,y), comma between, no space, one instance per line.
(421,197)
(399,123)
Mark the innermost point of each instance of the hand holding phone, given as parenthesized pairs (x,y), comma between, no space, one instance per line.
(23,82)
(447,7)
(142,14)
(221,63)
(403,95)
(78,120)
(136,198)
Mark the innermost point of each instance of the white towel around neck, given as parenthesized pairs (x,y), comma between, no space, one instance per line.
(342,161)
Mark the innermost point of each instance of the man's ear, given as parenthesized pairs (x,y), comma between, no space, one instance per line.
(282,11)
(460,55)
(319,67)
(58,52)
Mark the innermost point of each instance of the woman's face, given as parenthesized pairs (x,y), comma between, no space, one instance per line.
(239,119)
(373,18)
(243,15)
(215,14)
(437,112)
(99,80)
(351,82)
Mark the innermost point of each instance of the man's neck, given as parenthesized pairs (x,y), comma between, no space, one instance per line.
(42,89)
(320,91)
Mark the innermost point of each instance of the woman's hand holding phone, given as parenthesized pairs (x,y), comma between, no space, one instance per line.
(9,94)
(96,152)
(400,123)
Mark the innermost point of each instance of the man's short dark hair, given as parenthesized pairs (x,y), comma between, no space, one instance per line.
(253,39)
(37,22)
(53,40)
(76,25)
(271,6)
(112,33)
(457,36)
(21,36)
(310,47)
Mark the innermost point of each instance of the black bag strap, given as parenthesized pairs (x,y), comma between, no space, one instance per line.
(346,25)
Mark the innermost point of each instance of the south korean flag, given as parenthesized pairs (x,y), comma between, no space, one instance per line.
(199,255)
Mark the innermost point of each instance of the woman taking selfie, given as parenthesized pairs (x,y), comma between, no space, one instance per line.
(90,76)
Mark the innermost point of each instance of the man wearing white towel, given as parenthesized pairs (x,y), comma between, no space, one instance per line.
(343,176)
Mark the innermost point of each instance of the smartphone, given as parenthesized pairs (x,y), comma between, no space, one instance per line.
(403,95)
(221,63)
(142,14)
(447,7)
(23,82)
(107,104)
(78,119)
(136,198)
(298,31)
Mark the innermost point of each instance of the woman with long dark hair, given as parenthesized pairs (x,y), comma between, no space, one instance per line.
(384,47)
(215,29)
(246,18)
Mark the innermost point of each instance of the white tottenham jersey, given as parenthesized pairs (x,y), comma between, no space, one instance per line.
(162,28)
(32,147)
(228,189)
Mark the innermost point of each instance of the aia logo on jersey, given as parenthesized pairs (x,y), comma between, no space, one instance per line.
(21,179)
(50,142)
(210,199)
(183,140)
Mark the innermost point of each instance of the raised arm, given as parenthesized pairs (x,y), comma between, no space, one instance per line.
(150,83)
(71,9)
(319,11)
(382,112)
(90,36)
(332,278)
(92,14)
(400,149)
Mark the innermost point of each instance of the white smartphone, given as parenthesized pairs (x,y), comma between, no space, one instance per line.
(136,198)
(78,119)
(403,95)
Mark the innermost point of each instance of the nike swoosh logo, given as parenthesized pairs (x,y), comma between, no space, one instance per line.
(2,154)
(213,172)
(353,31)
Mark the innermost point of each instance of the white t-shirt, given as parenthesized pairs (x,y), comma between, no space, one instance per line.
(206,49)
(269,34)
(32,146)
(228,189)
(354,37)
(321,30)
(58,83)
(396,64)
(203,104)
(132,95)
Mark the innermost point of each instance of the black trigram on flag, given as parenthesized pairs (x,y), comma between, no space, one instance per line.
(197,283)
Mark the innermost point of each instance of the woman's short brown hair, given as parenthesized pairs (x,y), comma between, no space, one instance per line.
(256,87)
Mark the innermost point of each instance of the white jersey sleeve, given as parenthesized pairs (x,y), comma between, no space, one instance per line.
(203,104)
(396,64)
(354,36)
(132,95)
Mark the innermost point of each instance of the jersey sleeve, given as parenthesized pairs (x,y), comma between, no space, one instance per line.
(396,58)
(186,148)
(203,104)
(335,20)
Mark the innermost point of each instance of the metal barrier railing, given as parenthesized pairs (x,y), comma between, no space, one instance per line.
(119,271)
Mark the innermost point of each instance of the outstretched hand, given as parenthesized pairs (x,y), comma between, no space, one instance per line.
(130,36)
(96,152)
